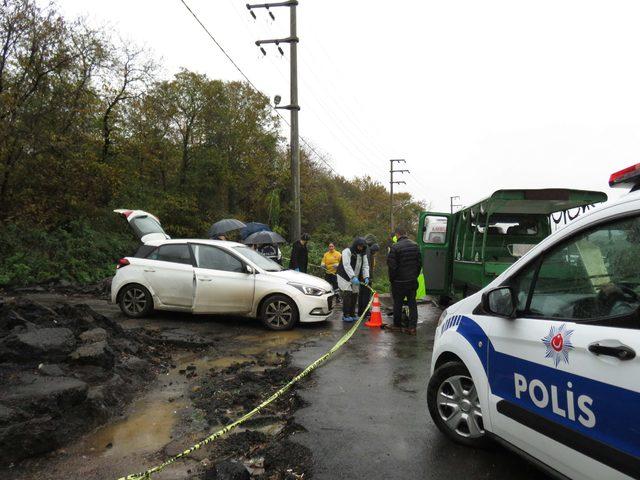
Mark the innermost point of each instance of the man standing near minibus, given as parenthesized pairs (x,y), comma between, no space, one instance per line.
(404,264)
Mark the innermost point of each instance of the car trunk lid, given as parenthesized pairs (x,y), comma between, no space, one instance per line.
(145,225)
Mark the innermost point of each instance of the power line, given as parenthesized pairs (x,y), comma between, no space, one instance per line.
(307,144)
(340,134)
(372,141)
(253,85)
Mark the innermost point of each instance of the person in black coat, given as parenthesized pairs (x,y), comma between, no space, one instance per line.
(404,262)
(300,254)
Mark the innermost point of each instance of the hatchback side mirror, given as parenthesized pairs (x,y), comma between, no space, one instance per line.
(249,269)
(500,301)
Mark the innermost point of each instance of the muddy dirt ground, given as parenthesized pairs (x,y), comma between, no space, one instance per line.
(209,371)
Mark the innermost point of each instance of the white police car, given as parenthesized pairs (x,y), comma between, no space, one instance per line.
(545,358)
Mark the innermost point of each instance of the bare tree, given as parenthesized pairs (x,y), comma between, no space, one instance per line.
(125,77)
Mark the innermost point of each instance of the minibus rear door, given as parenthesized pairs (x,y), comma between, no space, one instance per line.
(436,230)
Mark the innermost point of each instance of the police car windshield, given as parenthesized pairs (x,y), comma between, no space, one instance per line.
(595,275)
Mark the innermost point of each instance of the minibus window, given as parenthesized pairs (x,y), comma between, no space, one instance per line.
(435,230)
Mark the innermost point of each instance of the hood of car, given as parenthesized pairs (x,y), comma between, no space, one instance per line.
(303,278)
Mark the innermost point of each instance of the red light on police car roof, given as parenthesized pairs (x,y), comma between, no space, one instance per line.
(629,175)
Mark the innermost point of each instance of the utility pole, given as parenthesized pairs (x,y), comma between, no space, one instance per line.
(391,183)
(293,107)
(451,199)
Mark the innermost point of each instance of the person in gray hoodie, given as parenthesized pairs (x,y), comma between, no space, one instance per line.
(353,270)
(365,294)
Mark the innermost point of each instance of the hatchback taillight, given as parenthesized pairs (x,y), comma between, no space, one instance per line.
(123,262)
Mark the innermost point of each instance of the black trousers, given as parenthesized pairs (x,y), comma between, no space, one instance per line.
(400,291)
(332,278)
(363,299)
(349,300)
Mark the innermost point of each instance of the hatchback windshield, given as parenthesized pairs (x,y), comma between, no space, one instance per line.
(260,260)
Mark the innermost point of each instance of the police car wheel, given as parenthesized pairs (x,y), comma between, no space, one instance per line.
(454,405)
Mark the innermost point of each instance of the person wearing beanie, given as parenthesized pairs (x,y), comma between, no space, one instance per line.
(300,254)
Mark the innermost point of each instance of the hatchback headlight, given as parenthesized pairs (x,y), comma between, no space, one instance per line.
(307,289)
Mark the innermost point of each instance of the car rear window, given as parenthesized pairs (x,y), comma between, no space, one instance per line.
(144,251)
(176,253)
(145,224)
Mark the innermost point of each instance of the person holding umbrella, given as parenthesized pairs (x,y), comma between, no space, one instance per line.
(266,242)
(300,254)
(219,229)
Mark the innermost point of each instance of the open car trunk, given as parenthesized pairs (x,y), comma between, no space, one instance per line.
(145,225)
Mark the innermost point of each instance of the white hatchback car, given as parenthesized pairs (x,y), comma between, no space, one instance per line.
(545,358)
(213,276)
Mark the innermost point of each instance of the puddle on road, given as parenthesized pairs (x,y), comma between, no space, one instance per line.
(146,429)
(204,363)
(151,420)
(270,341)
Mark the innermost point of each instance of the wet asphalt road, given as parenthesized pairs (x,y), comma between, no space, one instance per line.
(366,415)
(368,418)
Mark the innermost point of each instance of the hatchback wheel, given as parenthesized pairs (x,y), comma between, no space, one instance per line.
(454,405)
(279,313)
(135,301)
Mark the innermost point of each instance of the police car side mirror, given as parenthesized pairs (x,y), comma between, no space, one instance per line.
(500,301)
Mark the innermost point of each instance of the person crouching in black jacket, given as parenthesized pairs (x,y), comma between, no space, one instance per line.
(404,262)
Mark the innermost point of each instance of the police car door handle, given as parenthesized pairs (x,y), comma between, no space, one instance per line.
(621,352)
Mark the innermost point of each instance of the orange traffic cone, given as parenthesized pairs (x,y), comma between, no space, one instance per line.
(375,321)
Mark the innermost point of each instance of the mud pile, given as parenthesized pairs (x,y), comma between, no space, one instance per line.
(261,448)
(241,387)
(101,289)
(63,371)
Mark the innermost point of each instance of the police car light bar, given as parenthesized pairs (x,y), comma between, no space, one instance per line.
(629,177)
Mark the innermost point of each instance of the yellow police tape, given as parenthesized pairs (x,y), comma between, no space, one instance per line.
(319,267)
(147,474)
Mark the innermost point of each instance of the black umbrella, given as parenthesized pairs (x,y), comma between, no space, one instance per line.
(265,236)
(252,227)
(224,226)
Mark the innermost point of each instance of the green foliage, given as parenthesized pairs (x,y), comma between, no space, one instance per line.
(77,252)
(85,127)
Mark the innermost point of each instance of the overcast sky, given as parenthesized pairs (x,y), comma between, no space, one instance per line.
(475,95)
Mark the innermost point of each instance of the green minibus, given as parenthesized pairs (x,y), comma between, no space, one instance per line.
(464,251)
